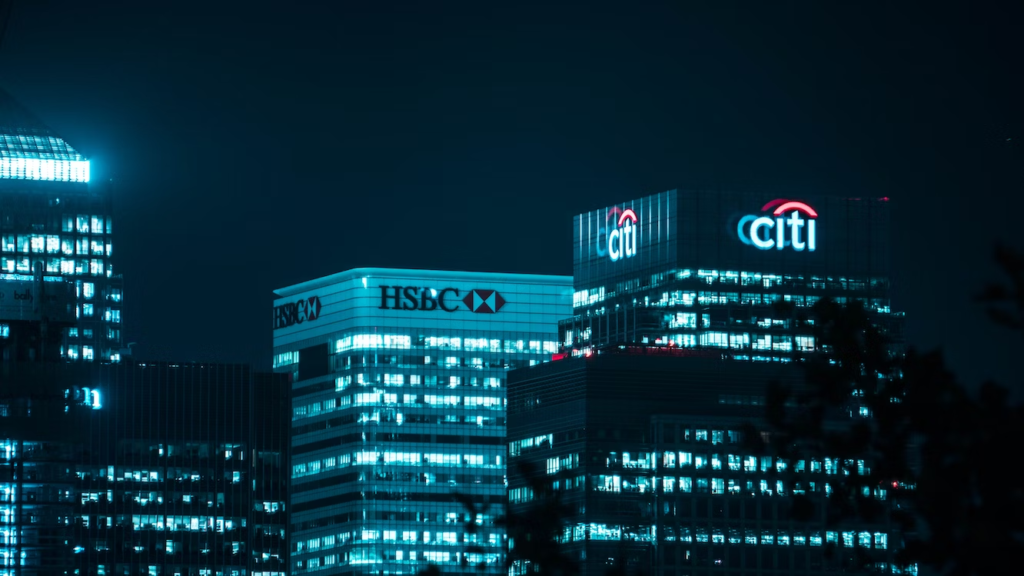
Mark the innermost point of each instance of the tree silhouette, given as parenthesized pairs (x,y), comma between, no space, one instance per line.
(532,533)
(943,455)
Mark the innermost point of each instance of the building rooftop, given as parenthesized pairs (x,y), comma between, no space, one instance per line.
(29,150)
(432,274)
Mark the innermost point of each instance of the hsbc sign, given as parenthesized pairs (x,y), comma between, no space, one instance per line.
(477,300)
(304,310)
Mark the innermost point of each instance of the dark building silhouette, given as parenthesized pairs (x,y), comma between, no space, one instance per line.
(143,468)
(108,468)
(676,331)
(185,473)
(45,410)
(59,295)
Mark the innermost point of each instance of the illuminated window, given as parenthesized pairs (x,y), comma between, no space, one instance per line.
(717,486)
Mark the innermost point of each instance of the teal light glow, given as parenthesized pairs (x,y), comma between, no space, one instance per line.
(40,169)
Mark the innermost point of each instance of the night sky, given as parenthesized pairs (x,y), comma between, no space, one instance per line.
(256,145)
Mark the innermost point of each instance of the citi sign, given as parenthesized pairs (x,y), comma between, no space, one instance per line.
(781,227)
(447,299)
(618,242)
(303,310)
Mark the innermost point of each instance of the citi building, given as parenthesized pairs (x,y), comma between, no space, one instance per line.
(685,305)
(398,453)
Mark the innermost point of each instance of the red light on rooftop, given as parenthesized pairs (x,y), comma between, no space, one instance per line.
(557,357)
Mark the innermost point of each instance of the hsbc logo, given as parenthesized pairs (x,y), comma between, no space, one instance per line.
(483,301)
(447,299)
(304,310)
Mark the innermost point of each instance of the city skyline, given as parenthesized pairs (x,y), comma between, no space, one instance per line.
(279,125)
(407,288)
(529,129)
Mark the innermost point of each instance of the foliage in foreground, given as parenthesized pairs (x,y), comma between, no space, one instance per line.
(944,454)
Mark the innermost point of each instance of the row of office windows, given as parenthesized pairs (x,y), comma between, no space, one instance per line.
(517,447)
(162,522)
(429,380)
(592,296)
(171,570)
(730,535)
(81,224)
(51,169)
(368,535)
(732,462)
(392,458)
(746,463)
(202,450)
(53,244)
(381,398)
(67,266)
(639,459)
(716,486)
(157,475)
(88,333)
(702,298)
(155,498)
(405,342)
(370,556)
(716,339)
(89,310)
(391,415)
(670,433)
(691,320)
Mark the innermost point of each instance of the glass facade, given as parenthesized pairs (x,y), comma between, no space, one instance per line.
(141,468)
(55,248)
(398,407)
(648,455)
(697,281)
(676,329)
(42,416)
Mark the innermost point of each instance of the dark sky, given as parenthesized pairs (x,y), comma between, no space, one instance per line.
(256,145)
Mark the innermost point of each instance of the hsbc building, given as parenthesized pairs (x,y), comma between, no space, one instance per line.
(398,401)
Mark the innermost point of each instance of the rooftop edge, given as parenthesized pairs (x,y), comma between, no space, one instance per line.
(428,274)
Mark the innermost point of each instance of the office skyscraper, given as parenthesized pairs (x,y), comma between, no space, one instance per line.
(674,335)
(398,406)
(59,296)
(184,472)
(44,410)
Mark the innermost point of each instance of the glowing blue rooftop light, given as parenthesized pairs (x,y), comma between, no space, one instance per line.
(29,150)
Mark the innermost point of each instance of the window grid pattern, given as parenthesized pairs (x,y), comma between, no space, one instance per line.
(406,417)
